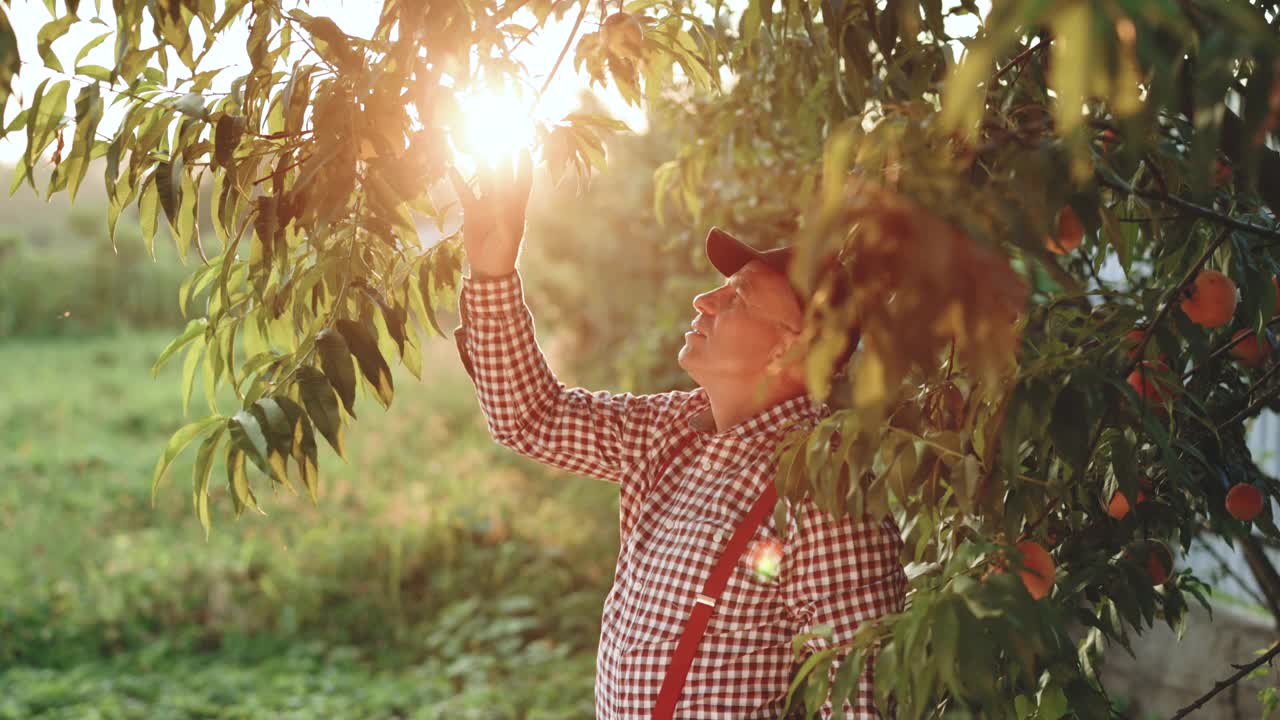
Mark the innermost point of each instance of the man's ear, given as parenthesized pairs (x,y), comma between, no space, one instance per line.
(785,358)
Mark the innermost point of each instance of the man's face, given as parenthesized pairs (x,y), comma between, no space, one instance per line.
(738,326)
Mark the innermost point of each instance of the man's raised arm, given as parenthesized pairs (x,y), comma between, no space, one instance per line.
(527,408)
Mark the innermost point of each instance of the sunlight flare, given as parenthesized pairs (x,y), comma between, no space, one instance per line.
(494,127)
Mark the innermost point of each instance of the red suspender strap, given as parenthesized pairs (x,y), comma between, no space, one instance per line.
(696,625)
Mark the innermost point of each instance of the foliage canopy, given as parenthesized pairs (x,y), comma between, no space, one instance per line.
(1016,408)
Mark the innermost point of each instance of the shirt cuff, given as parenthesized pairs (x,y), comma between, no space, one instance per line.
(493,296)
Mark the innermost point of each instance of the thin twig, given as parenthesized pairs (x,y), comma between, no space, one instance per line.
(1018,59)
(1223,349)
(563,51)
(1192,208)
(1263,399)
(1224,684)
(1226,567)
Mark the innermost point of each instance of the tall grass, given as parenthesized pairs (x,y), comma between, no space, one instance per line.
(79,285)
(433,558)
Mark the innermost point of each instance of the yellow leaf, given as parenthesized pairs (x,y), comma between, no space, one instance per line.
(1072,66)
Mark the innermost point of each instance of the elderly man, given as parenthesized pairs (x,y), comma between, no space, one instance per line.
(692,468)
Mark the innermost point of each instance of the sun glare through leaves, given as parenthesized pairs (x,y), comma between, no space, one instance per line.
(493,128)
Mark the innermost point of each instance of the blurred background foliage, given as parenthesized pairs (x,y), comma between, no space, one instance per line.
(440,575)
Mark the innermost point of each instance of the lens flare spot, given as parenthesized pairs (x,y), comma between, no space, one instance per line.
(765,558)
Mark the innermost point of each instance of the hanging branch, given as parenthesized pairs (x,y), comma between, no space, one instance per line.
(564,50)
(1224,684)
(1223,349)
(1193,209)
(1174,292)
(1018,60)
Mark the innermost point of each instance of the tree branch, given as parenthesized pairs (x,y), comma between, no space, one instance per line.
(1018,59)
(1224,684)
(564,50)
(1170,296)
(1226,568)
(1191,208)
(1223,349)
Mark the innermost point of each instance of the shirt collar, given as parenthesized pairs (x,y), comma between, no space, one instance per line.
(769,422)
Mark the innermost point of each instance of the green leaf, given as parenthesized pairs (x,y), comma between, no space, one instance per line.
(194,329)
(168,186)
(247,435)
(371,362)
(815,693)
(1071,426)
(807,668)
(845,686)
(148,204)
(238,482)
(193,284)
(278,434)
(200,477)
(322,405)
(10,62)
(51,31)
(336,361)
(188,226)
(304,448)
(89,46)
(89,108)
(226,138)
(424,293)
(189,365)
(177,442)
(49,113)
(192,105)
(1071,69)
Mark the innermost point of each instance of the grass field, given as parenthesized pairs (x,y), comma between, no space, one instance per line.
(438,576)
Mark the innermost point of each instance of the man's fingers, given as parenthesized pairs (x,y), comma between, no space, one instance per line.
(460,187)
(524,174)
(503,170)
(490,181)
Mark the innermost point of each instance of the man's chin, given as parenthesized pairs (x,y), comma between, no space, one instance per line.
(683,358)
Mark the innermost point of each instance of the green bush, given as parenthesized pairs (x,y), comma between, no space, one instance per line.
(78,284)
(439,575)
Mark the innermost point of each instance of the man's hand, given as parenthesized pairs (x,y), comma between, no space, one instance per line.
(493,224)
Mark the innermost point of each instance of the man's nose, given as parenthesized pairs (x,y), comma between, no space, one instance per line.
(705,303)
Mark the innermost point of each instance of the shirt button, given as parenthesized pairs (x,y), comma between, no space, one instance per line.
(707,463)
(718,536)
(669,523)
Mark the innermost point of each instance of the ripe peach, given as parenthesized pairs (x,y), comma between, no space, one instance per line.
(1134,338)
(1068,234)
(1158,562)
(1118,508)
(1143,382)
(1244,501)
(1211,300)
(1221,173)
(1249,351)
(1038,572)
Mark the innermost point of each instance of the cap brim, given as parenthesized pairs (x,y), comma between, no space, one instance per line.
(729,254)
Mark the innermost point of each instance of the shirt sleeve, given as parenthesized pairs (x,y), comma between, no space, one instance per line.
(842,573)
(527,409)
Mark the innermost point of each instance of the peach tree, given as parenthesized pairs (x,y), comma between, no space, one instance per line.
(1058,220)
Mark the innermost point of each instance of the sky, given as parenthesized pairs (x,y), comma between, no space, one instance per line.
(353,16)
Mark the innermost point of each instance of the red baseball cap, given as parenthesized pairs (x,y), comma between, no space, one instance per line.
(729,254)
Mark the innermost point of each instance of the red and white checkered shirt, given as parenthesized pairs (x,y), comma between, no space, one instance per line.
(675,519)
